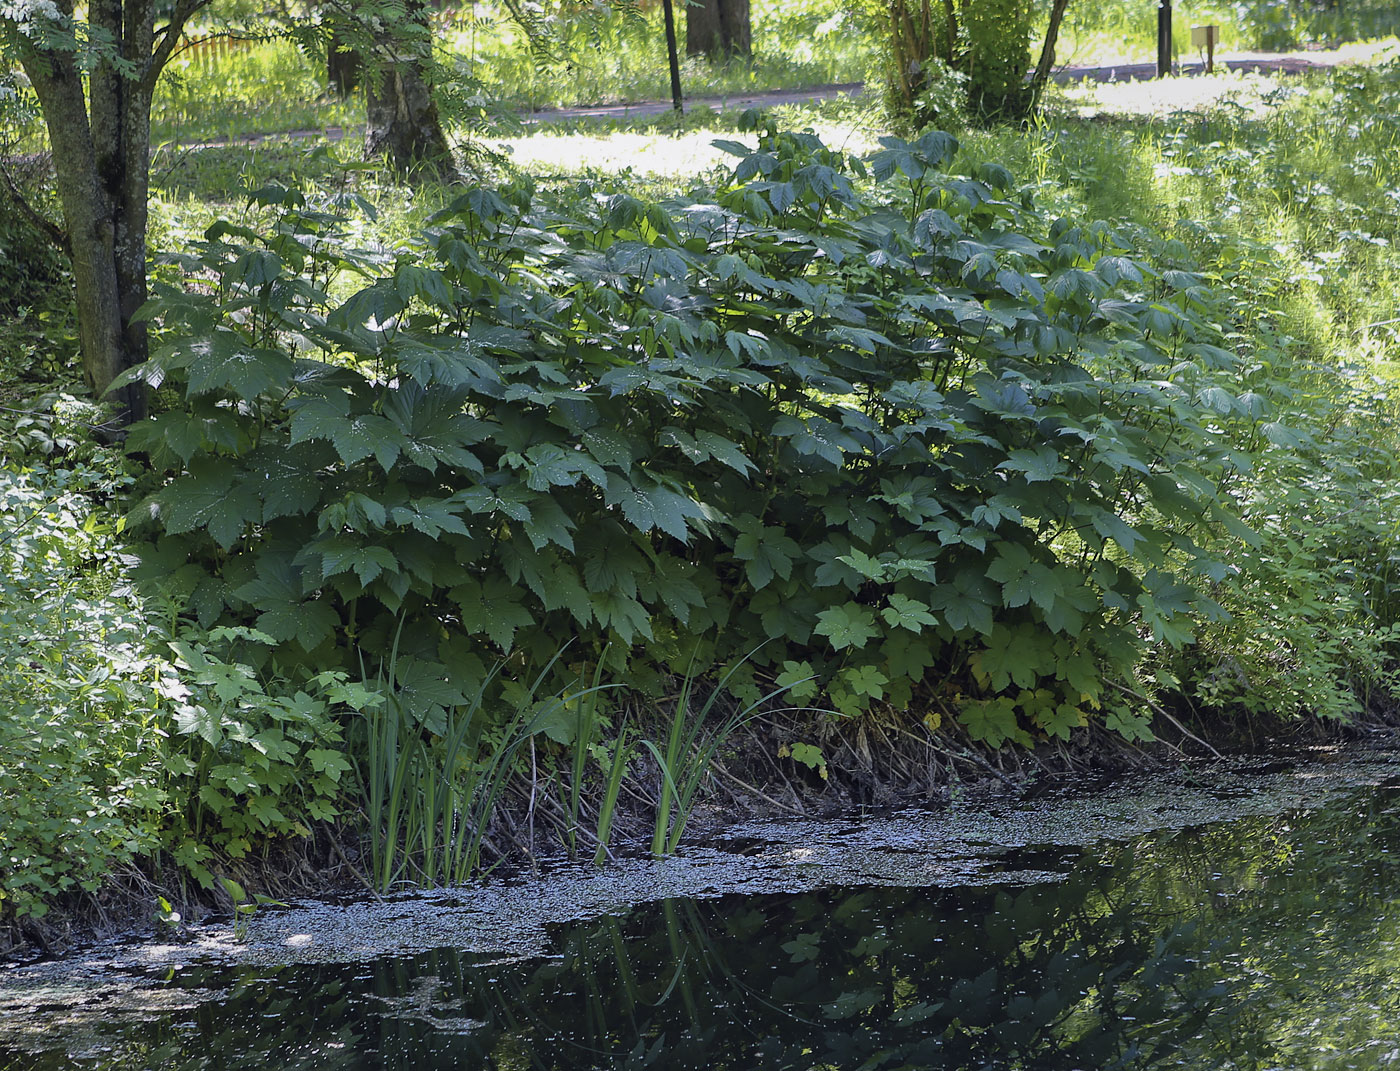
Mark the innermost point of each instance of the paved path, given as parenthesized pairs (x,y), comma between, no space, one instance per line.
(1287,63)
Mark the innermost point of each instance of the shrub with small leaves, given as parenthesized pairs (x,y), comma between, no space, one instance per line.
(111,750)
(80,780)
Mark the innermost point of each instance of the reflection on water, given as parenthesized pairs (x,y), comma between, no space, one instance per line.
(1261,943)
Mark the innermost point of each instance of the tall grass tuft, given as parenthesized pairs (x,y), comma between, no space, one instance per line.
(689,755)
(429,800)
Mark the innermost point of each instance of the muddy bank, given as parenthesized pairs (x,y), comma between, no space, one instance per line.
(983,839)
(879,764)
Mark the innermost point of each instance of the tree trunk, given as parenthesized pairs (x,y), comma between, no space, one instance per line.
(343,66)
(101,147)
(718,29)
(101,142)
(1041,77)
(403,121)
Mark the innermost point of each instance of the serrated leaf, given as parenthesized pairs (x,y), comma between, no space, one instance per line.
(648,505)
(309,622)
(608,447)
(209,498)
(724,451)
(431,516)
(848,625)
(330,763)
(1039,465)
(865,680)
(623,614)
(425,688)
(191,719)
(224,362)
(1111,526)
(799,681)
(733,148)
(483,500)
(290,479)
(434,431)
(991,721)
(548,524)
(550,465)
(766,550)
(677,590)
(904,612)
(494,607)
(354,437)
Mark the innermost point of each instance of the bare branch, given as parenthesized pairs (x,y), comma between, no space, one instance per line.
(41,223)
(168,37)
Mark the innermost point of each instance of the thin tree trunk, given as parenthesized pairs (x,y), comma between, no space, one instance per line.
(1046,64)
(672,59)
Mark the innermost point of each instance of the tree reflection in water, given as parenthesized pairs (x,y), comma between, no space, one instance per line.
(1261,943)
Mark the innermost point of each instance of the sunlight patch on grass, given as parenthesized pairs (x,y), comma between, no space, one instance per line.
(1255,92)
(649,153)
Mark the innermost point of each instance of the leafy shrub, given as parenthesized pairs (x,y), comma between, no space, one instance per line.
(249,760)
(110,751)
(926,445)
(986,43)
(1286,220)
(78,771)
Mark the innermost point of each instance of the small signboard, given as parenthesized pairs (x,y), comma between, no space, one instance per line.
(1206,37)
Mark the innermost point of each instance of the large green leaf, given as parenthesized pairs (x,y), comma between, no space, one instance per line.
(493,607)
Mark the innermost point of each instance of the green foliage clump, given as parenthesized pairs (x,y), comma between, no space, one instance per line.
(931,51)
(998,58)
(112,751)
(1283,213)
(884,423)
(79,687)
(249,760)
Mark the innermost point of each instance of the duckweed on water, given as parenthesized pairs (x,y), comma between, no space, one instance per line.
(434,968)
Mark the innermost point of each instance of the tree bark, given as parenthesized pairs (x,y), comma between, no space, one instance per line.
(718,29)
(403,122)
(1046,64)
(344,67)
(101,148)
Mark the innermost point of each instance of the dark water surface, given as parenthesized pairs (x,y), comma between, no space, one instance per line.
(1268,941)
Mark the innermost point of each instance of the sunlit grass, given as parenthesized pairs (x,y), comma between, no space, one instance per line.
(654,150)
(253,88)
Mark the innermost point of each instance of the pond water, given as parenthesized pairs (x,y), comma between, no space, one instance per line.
(1231,918)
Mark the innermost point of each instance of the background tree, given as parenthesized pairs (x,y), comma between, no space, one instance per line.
(986,42)
(94,81)
(718,28)
(402,118)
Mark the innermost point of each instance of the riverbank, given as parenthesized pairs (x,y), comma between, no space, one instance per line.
(1116,446)
(1231,838)
(936,778)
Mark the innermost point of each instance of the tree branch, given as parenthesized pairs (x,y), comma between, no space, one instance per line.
(168,37)
(41,223)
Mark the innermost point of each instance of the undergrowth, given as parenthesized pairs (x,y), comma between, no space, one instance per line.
(1008,437)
